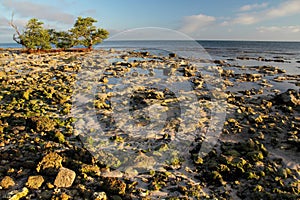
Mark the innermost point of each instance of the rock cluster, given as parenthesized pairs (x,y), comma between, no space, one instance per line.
(256,156)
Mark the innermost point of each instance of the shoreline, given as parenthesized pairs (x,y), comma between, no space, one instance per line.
(256,156)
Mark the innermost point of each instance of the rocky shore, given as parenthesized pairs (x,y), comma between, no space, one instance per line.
(43,156)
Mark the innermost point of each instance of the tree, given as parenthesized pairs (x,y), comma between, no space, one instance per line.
(61,39)
(86,34)
(34,35)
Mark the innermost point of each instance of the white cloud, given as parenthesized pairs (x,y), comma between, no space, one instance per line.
(246,19)
(253,6)
(284,9)
(278,29)
(196,22)
(40,11)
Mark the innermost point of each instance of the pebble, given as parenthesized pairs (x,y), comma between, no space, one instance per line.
(99,196)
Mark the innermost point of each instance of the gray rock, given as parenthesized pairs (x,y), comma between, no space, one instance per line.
(64,178)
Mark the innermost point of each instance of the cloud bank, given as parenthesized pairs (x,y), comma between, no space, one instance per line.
(253,6)
(196,22)
(37,10)
(284,9)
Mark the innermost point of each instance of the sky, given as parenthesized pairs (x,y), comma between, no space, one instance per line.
(275,20)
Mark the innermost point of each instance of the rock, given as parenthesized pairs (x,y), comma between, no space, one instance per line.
(50,164)
(92,170)
(2,74)
(190,71)
(172,55)
(145,53)
(220,62)
(45,194)
(7,182)
(99,196)
(104,80)
(64,178)
(257,118)
(290,97)
(50,185)
(64,196)
(253,77)
(42,123)
(114,186)
(20,195)
(243,58)
(34,182)
(116,197)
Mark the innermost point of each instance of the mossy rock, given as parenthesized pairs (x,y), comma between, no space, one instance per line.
(92,170)
(59,137)
(114,186)
(255,155)
(50,164)
(232,152)
(42,123)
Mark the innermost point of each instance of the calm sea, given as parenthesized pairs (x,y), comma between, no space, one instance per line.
(289,51)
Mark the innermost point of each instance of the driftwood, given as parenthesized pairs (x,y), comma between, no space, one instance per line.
(17,39)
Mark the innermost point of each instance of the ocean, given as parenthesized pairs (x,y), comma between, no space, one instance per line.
(222,50)
(289,52)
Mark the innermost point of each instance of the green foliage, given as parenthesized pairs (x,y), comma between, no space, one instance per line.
(35,36)
(61,39)
(86,34)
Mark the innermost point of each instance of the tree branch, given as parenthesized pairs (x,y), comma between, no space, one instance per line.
(15,38)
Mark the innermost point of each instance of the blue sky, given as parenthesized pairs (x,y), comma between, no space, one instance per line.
(199,19)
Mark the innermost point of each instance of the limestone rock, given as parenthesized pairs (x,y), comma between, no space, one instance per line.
(20,195)
(64,178)
(34,182)
(7,182)
(99,196)
(50,164)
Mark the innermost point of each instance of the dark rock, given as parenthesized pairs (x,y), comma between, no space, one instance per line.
(114,185)
(172,55)
(290,97)
(145,53)
(220,62)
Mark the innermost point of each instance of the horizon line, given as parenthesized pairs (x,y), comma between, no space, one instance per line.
(222,40)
